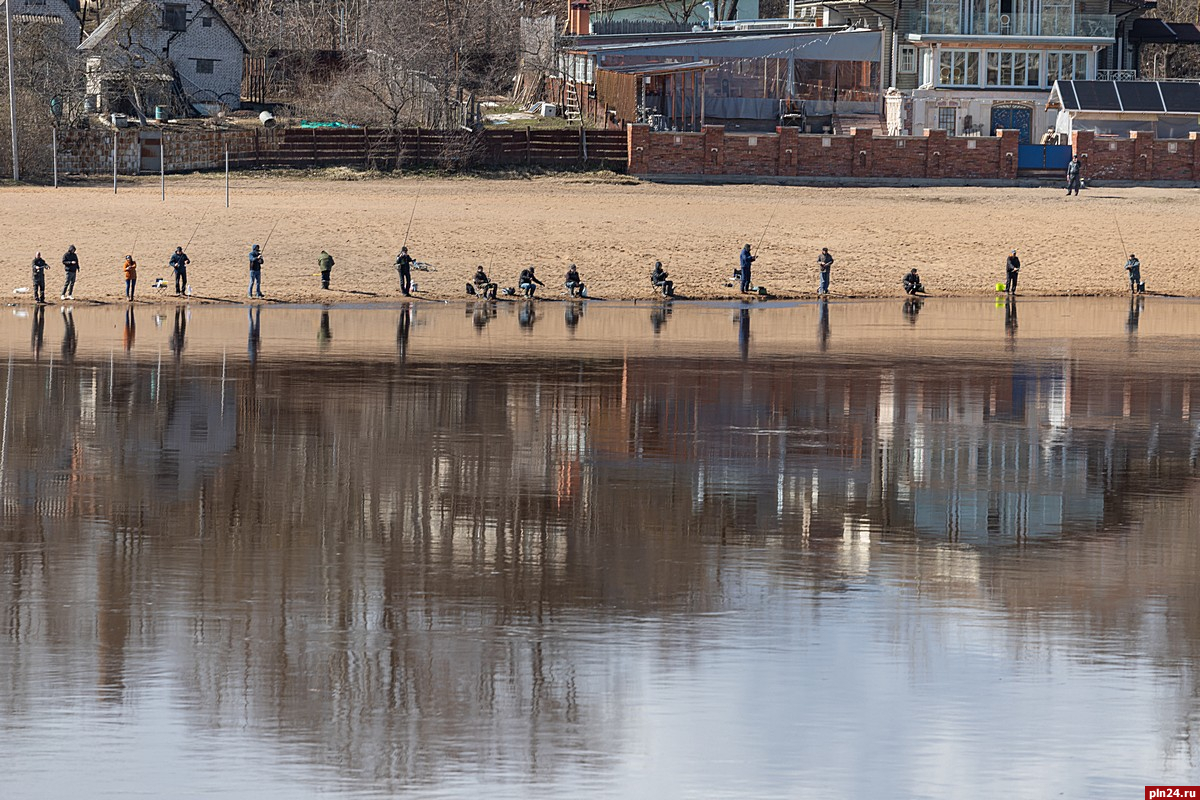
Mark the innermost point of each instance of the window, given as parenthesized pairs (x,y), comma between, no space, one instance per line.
(908,58)
(1057,17)
(958,68)
(204,66)
(948,120)
(1066,67)
(1013,68)
(206,22)
(943,16)
(175,16)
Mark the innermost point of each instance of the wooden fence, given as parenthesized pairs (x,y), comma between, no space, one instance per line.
(381,149)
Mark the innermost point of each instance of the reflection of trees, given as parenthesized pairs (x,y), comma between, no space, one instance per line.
(352,554)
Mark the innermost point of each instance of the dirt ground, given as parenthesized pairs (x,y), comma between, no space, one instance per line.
(613,228)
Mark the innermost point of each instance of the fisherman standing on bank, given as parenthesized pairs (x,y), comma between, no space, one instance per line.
(745,260)
(1012,268)
(1134,268)
(325,262)
(1074,179)
(404,264)
(39,278)
(825,263)
(70,263)
(256,262)
(130,268)
(179,262)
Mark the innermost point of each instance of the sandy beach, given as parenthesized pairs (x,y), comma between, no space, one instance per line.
(613,228)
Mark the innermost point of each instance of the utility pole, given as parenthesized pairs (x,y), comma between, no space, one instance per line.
(12,93)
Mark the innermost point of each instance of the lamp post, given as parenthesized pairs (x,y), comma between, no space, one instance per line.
(12,92)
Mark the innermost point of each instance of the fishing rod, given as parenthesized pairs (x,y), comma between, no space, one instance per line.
(410,220)
(263,249)
(766,228)
(197,228)
(1124,249)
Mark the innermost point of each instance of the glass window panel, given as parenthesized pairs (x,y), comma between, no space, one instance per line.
(993,69)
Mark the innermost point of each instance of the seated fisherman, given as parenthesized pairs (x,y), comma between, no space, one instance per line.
(573,282)
(483,286)
(659,279)
(528,282)
(912,283)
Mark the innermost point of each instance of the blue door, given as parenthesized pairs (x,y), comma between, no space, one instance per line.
(1010,118)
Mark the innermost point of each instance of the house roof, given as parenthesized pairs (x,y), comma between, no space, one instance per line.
(822,44)
(1157,31)
(127,7)
(1133,97)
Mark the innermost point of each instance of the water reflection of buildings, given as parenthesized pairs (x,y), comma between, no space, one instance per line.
(309,540)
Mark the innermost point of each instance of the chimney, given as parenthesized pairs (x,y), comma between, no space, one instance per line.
(579,19)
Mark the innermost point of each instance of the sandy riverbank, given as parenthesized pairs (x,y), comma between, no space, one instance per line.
(613,229)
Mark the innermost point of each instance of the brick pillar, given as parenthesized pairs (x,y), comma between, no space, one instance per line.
(789,150)
(862,143)
(637,139)
(714,149)
(936,151)
(1082,143)
(1009,142)
(1143,155)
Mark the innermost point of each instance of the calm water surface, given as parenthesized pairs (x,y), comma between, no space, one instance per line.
(600,550)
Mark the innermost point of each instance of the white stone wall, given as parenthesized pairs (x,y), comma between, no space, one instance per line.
(69,30)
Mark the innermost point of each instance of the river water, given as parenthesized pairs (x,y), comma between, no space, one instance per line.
(604,550)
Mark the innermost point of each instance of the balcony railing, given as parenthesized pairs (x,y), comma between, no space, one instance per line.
(1118,75)
(1048,23)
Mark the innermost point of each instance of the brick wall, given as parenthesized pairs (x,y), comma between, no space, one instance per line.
(788,153)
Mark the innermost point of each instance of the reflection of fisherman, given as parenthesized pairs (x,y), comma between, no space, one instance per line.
(483,286)
(324,334)
(528,282)
(572,315)
(130,328)
(69,341)
(823,325)
(252,340)
(179,332)
(404,264)
(744,333)
(745,260)
(658,278)
(1010,317)
(1135,314)
(483,314)
(526,316)
(39,330)
(573,282)
(1134,268)
(1012,267)
(402,329)
(912,307)
(912,283)
(658,317)
(1074,176)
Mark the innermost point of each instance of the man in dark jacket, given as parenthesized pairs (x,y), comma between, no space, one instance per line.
(70,263)
(325,262)
(256,262)
(1012,268)
(912,283)
(745,260)
(658,278)
(1134,268)
(1074,178)
(573,282)
(404,264)
(39,278)
(825,264)
(528,282)
(483,286)
(179,262)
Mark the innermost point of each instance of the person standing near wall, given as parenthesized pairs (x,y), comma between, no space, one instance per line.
(1074,175)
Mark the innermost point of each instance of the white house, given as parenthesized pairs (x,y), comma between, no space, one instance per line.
(57,17)
(152,52)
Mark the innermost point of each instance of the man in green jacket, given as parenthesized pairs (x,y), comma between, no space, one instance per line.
(326,263)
